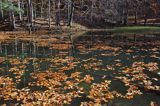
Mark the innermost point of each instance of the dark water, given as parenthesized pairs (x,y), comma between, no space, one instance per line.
(90,49)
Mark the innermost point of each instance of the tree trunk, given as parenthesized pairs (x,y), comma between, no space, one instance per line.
(135,17)
(12,18)
(35,12)
(91,17)
(145,19)
(49,13)
(125,18)
(57,13)
(30,16)
(19,6)
(22,7)
(125,14)
(1,10)
(70,12)
(41,8)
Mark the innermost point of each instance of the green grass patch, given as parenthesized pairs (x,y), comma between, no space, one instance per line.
(136,29)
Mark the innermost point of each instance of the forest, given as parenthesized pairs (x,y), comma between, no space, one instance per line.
(34,14)
(79,52)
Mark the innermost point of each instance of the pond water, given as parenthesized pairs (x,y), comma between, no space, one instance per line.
(130,62)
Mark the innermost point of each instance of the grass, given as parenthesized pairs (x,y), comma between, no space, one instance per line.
(136,29)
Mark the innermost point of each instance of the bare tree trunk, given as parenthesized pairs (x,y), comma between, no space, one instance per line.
(91,17)
(19,6)
(41,8)
(35,12)
(125,14)
(1,10)
(135,17)
(146,9)
(58,2)
(22,4)
(125,18)
(49,13)
(70,12)
(13,20)
(22,7)
(30,16)
(11,15)
(32,13)
(145,19)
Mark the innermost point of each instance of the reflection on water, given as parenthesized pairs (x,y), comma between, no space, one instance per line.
(102,56)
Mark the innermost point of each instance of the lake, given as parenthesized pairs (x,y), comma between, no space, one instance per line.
(94,68)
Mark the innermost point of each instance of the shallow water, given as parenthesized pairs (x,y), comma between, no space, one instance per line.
(102,56)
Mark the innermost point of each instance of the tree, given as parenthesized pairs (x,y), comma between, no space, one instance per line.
(70,11)
(146,7)
(11,16)
(57,14)
(30,15)
(20,13)
(49,14)
(1,10)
